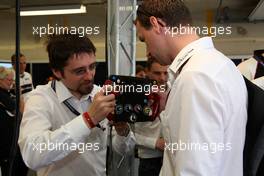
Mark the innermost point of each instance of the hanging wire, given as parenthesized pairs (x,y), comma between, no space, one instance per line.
(14,147)
(217,16)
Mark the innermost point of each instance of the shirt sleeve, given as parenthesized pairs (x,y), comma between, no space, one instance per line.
(149,142)
(248,68)
(37,138)
(259,82)
(147,133)
(200,126)
(122,144)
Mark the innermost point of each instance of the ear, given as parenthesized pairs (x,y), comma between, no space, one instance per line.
(155,24)
(57,73)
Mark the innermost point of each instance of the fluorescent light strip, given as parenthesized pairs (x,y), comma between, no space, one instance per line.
(82,9)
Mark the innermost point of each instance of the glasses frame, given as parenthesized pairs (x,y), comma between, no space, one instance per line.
(81,72)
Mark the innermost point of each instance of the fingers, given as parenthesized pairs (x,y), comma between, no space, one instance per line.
(110,97)
(110,104)
(120,124)
(105,101)
(121,128)
(106,89)
(102,105)
(107,110)
(104,97)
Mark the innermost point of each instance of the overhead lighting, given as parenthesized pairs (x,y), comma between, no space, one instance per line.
(53,10)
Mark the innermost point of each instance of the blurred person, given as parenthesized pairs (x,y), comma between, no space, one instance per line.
(248,68)
(253,68)
(7,120)
(26,84)
(140,71)
(207,104)
(259,82)
(68,114)
(148,134)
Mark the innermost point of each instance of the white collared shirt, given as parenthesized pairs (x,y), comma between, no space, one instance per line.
(205,116)
(147,134)
(26,84)
(259,82)
(47,121)
(248,68)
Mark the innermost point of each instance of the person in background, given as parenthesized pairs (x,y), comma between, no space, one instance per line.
(69,113)
(253,69)
(26,84)
(149,140)
(140,71)
(204,121)
(259,82)
(7,120)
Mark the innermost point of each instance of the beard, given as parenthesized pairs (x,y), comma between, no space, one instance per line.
(81,89)
(85,88)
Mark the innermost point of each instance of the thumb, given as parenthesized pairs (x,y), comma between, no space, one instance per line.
(102,91)
(106,89)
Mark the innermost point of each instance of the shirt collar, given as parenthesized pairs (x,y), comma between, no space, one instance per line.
(63,93)
(94,91)
(22,75)
(188,51)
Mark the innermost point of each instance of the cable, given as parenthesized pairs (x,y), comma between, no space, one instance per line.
(14,146)
(217,17)
(109,155)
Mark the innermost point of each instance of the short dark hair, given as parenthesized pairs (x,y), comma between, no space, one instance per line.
(151,60)
(13,58)
(139,68)
(62,47)
(172,12)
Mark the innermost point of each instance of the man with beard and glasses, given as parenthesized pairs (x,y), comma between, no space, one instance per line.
(64,129)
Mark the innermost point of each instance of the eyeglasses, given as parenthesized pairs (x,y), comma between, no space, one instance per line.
(83,70)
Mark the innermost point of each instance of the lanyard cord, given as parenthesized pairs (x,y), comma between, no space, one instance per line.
(69,106)
(65,102)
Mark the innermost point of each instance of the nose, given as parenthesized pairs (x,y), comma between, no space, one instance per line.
(89,75)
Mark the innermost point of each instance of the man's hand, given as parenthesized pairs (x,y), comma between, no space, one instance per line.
(121,128)
(101,106)
(160,144)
